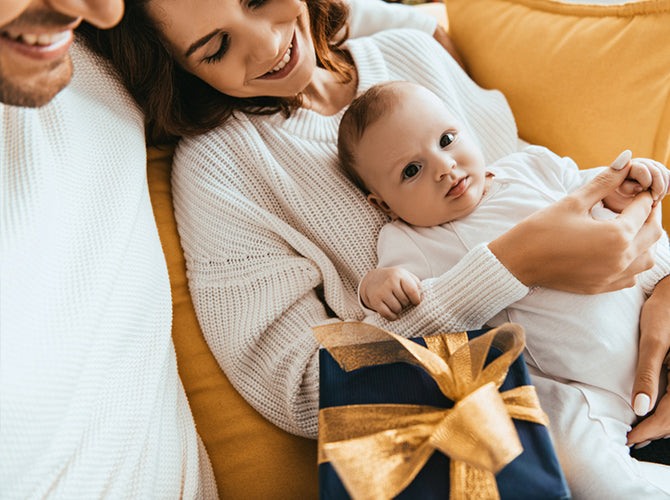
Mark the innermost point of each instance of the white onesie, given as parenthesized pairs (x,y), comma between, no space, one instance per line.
(585,344)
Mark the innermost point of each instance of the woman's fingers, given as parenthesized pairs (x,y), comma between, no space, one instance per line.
(653,349)
(651,229)
(605,183)
(655,426)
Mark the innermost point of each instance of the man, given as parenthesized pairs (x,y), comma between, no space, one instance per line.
(91,404)
(34,60)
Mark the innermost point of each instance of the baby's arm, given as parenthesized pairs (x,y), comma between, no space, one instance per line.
(645,174)
(389,290)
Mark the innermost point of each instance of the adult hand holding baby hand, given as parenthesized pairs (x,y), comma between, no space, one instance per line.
(644,174)
(563,247)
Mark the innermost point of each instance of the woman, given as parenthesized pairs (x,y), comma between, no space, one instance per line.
(276,238)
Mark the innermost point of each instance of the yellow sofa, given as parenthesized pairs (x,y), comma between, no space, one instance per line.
(580,80)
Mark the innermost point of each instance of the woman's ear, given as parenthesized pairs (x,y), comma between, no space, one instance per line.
(376,201)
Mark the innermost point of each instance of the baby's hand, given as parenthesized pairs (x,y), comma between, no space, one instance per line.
(645,174)
(388,290)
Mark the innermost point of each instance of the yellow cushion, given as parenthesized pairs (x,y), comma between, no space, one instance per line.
(587,81)
(251,457)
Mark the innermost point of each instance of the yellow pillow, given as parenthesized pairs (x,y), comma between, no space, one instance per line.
(251,458)
(587,81)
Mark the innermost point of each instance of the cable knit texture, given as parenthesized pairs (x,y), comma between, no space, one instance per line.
(92,406)
(276,238)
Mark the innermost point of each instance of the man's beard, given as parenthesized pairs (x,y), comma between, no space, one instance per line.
(18,93)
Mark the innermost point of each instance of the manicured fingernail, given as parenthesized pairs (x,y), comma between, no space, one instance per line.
(641,445)
(642,404)
(622,160)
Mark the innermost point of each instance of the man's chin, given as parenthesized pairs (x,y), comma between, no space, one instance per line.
(36,91)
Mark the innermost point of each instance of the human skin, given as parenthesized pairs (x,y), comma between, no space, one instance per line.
(418,162)
(35,36)
(245,46)
(595,256)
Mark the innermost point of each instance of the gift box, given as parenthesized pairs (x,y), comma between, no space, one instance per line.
(462,421)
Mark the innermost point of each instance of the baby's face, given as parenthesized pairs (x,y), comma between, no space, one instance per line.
(419,163)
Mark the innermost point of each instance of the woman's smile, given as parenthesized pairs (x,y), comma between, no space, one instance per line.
(286,63)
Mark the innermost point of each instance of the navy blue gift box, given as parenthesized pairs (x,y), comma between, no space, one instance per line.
(535,474)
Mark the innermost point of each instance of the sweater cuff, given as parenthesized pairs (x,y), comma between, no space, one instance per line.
(484,285)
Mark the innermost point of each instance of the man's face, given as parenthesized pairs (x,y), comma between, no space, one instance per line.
(35,36)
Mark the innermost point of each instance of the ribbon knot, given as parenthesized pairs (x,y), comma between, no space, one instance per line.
(377,450)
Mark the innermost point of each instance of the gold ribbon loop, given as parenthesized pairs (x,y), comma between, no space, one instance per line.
(478,431)
(377,450)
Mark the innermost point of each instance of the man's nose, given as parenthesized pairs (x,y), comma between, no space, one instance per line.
(100,13)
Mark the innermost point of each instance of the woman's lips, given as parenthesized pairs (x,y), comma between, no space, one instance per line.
(294,54)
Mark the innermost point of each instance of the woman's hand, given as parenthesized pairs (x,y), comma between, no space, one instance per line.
(563,247)
(654,352)
(443,38)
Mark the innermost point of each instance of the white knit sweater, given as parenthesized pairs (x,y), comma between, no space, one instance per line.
(91,405)
(276,238)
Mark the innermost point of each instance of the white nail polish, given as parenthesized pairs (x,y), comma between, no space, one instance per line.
(641,445)
(642,404)
(622,160)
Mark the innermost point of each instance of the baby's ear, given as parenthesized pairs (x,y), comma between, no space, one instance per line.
(376,201)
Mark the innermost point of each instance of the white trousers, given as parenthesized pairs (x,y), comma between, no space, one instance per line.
(588,428)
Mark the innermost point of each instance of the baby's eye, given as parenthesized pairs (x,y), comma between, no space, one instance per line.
(446,139)
(410,171)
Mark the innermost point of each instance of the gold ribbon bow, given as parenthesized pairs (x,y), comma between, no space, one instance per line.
(377,450)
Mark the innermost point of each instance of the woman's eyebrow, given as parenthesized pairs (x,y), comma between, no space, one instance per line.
(200,42)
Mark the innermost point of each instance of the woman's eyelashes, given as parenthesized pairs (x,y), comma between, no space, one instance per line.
(410,171)
(446,139)
(223,47)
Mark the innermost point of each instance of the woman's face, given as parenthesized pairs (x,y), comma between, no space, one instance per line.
(243,48)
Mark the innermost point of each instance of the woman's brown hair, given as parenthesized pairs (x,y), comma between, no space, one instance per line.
(176,103)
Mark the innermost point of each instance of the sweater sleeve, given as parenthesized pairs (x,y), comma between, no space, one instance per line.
(370,16)
(259,282)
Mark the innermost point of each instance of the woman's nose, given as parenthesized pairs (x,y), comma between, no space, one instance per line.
(265,41)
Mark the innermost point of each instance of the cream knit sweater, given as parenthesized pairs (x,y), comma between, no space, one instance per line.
(91,405)
(276,238)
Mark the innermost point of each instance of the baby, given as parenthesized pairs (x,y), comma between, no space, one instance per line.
(402,146)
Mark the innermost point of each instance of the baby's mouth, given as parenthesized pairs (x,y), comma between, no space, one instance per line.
(458,188)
